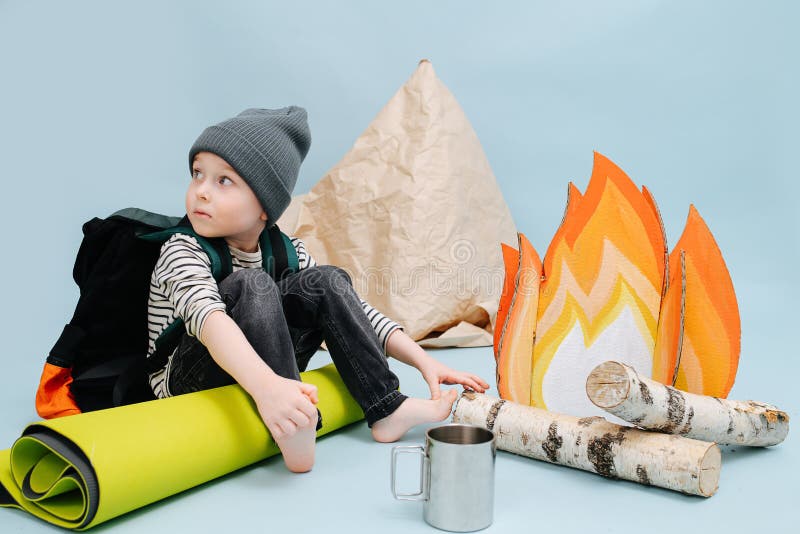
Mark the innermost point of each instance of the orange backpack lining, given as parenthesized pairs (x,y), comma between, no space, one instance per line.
(53,398)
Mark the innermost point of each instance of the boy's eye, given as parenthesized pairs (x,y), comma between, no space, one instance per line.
(224,180)
(196,173)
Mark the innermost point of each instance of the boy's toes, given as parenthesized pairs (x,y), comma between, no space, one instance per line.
(446,403)
(450,396)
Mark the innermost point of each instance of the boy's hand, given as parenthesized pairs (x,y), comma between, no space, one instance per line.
(435,373)
(406,350)
(285,404)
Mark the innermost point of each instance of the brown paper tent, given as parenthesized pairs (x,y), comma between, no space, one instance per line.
(405,213)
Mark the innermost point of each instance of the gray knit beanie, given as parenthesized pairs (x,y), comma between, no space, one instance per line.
(266,148)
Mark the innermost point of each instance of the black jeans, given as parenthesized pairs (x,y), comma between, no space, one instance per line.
(286,322)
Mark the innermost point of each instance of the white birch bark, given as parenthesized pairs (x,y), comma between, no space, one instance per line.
(621,391)
(593,444)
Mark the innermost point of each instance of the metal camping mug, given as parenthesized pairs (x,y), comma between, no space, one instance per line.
(457,477)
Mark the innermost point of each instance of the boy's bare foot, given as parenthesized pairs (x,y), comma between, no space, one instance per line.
(413,412)
(298,450)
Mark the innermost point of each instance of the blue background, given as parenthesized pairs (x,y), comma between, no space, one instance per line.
(100,101)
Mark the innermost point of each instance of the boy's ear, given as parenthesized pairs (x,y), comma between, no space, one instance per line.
(263,216)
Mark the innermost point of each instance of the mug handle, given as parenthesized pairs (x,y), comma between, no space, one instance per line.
(412,449)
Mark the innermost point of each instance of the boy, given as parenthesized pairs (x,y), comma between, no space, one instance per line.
(261,333)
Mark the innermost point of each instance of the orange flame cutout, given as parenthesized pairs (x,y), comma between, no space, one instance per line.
(514,350)
(670,324)
(607,257)
(711,336)
(609,290)
(511,262)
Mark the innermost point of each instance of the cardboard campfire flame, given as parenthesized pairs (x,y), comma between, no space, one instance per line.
(609,289)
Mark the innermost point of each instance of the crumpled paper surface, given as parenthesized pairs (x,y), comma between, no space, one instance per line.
(414,214)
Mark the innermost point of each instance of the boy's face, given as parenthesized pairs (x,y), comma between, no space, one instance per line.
(219,203)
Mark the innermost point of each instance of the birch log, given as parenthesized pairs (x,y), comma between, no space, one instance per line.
(621,391)
(593,444)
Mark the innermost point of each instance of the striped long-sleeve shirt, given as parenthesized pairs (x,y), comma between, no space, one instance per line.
(182,287)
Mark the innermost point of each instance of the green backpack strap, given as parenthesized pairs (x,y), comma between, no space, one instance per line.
(278,255)
(216,249)
(221,266)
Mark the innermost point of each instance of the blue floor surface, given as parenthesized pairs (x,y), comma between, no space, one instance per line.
(349,488)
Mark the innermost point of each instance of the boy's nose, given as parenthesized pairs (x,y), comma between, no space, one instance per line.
(202,192)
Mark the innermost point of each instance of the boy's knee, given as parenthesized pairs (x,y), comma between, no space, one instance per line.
(248,280)
(333,277)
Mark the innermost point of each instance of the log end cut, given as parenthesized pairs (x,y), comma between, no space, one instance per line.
(710,466)
(607,386)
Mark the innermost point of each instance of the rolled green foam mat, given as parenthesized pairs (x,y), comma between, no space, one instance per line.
(79,471)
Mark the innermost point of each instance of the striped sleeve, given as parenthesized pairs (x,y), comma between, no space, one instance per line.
(303,257)
(183,275)
(382,325)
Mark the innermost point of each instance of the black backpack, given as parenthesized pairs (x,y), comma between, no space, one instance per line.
(99,361)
